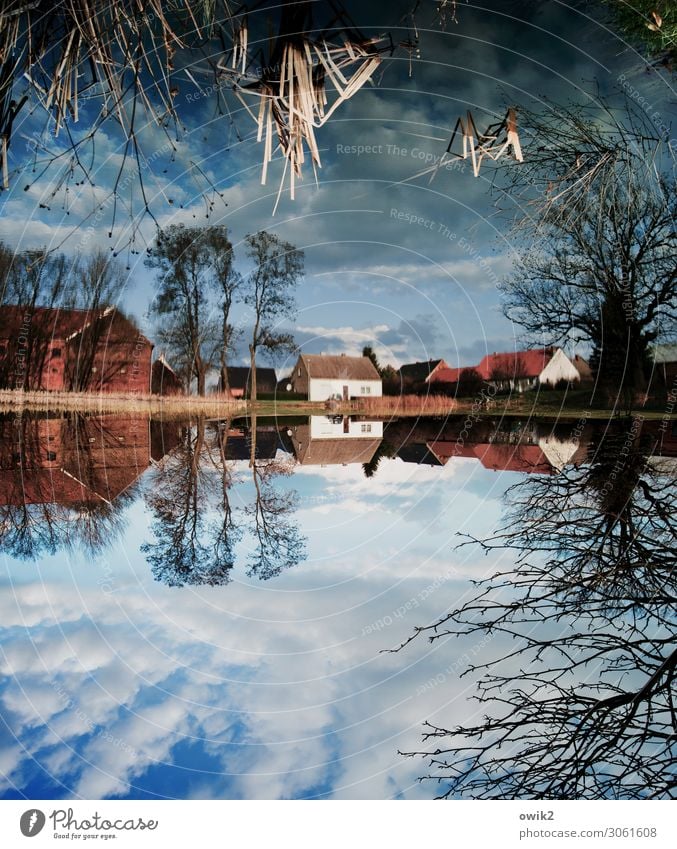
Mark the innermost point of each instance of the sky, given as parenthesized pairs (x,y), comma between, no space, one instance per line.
(408,265)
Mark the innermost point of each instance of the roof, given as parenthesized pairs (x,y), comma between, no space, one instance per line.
(238,377)
(340,367)
(63,324)
(665,353)
(582,367)
(419,371)
(331,452)
(448,375)
(515,364)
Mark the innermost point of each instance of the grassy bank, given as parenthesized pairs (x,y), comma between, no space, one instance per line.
(550,405)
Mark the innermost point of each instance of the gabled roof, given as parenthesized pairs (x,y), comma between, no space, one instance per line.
(527,364)
(238,377)
(65,323)
(419,371)
(339,368)
(448,375)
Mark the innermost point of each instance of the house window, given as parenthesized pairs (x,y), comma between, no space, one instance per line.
(51,455)
(299,372)
(365,390)
(94,369)
(366,428)
(56,352)
(123,371)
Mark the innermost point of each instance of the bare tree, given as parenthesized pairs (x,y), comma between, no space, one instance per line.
(599,237)
(577,687)
(278,265)
(196,276)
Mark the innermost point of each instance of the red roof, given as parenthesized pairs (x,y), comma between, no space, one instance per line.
(513,458)
(515,363)
(61,323)
(508,365)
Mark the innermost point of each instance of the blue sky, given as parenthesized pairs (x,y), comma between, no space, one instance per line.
(415,290)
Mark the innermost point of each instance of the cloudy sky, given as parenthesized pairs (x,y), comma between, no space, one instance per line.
(391,259)
(114,685)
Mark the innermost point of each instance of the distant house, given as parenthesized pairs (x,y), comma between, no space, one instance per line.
(417,373)
(665,360)
(239,381)
(164,380)
(335,440)
(518,371)
(321,377)
(58,349)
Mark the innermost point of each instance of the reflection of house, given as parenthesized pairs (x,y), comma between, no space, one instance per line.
(499,457)
(518,370)
(239,381)
(320,377)
(72,349)
(78,460)
(335,440)
(164,380)
(417,373)
(238,443)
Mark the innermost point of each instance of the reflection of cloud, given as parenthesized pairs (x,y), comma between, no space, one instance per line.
(279,687)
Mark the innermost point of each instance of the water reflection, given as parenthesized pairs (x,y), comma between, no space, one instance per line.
(579,695)
(256,569)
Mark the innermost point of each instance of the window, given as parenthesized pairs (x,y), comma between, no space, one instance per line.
(123,371)
(365,390)
(299,372)
(51,455)
(366,428)
(56,352)
(94,369)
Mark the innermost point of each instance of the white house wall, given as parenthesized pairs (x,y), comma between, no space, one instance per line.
(559,368)
(323,428)
(323,388)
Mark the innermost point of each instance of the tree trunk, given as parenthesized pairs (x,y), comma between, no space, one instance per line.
(201,381)
(252,374)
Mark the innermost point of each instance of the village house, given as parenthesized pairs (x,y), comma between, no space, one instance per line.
(414,374)
(239,381)
(60,349)
(319,377)
(518,371)
(164,380)
(665,366)
(335,440)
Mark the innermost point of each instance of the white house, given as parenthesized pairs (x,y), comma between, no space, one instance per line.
(335,440)
(321,377)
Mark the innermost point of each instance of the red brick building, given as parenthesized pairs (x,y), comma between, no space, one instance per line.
(78,350)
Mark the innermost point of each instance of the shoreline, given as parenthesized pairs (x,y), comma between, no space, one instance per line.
(216,406)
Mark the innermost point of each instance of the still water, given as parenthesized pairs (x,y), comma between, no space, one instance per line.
(206,609)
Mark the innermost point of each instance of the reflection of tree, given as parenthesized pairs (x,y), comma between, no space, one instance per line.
(579,695)
(278,543)
(188,549)
(195,527)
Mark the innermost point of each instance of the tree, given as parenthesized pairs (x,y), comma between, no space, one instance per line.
(195,271)
(577,685)
(599,240)
(278,265)
(369,352)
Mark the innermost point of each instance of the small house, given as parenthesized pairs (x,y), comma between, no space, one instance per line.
(319,377)
(239,381)
(517,371)
(416,374)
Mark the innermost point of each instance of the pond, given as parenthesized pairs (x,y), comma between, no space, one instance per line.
(211,609)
